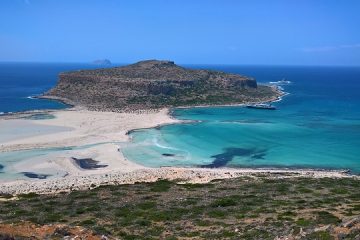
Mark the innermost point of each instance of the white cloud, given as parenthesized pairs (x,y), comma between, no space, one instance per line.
(330,48)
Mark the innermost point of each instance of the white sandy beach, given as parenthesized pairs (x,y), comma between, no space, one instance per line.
(82,127)
(79,127)
(72,128)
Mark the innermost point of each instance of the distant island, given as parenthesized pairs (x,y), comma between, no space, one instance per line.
(154,84)
(102,62)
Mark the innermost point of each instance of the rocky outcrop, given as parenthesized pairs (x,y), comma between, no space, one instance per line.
(155,84)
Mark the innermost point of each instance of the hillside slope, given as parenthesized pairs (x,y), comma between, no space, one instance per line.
(155,84)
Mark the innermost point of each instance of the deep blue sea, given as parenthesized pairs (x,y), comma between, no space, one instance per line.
(316,126)
(20,81)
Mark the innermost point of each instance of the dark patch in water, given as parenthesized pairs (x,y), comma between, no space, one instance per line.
(247,121)
(88,163)
(223,158)
(40,116)
(168,155)
(66,148)
(259,156)
(35,175)
(1,167)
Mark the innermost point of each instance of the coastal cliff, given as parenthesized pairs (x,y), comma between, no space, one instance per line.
(154,84)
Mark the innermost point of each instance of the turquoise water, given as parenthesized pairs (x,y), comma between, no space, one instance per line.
(316,126)
(10,160)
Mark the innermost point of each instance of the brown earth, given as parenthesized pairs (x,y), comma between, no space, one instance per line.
(28,230)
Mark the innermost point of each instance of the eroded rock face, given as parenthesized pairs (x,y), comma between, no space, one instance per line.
(155,84)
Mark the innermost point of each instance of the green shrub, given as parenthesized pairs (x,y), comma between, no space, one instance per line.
(224,202)
(28,195)
(161,186)
(304,222)
(321,235)
(324,217)
(217,214)
(88,222)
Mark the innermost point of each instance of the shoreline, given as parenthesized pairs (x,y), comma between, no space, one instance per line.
(72,105)
(105,130)
(64,101)
(280,93)
(122,171)
(180,175)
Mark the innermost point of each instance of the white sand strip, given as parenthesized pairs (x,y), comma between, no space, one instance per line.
(88,127)
(192,175)
(105,129)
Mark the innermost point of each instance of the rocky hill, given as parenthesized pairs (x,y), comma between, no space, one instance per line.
(102,62)
(155,84)
(257,206)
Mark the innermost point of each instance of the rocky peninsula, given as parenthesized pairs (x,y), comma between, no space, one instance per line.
(154,84)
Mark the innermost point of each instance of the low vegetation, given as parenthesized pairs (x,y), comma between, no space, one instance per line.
(156,84)
(243,208)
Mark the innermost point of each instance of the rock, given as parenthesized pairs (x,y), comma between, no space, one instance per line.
(352,222)
(62,231)
(322,228)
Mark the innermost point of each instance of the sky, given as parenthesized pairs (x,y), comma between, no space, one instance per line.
(255,32)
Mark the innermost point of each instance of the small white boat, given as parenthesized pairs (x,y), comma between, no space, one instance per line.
(262,106)
(281,82)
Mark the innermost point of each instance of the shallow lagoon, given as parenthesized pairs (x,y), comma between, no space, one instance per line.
(316,126)
(12,162)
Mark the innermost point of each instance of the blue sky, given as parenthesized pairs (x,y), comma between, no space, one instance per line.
(291,32)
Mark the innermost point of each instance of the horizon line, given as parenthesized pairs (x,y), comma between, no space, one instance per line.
(182,63)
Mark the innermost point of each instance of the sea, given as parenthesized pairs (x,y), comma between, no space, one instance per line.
(21,82)
(316,125)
